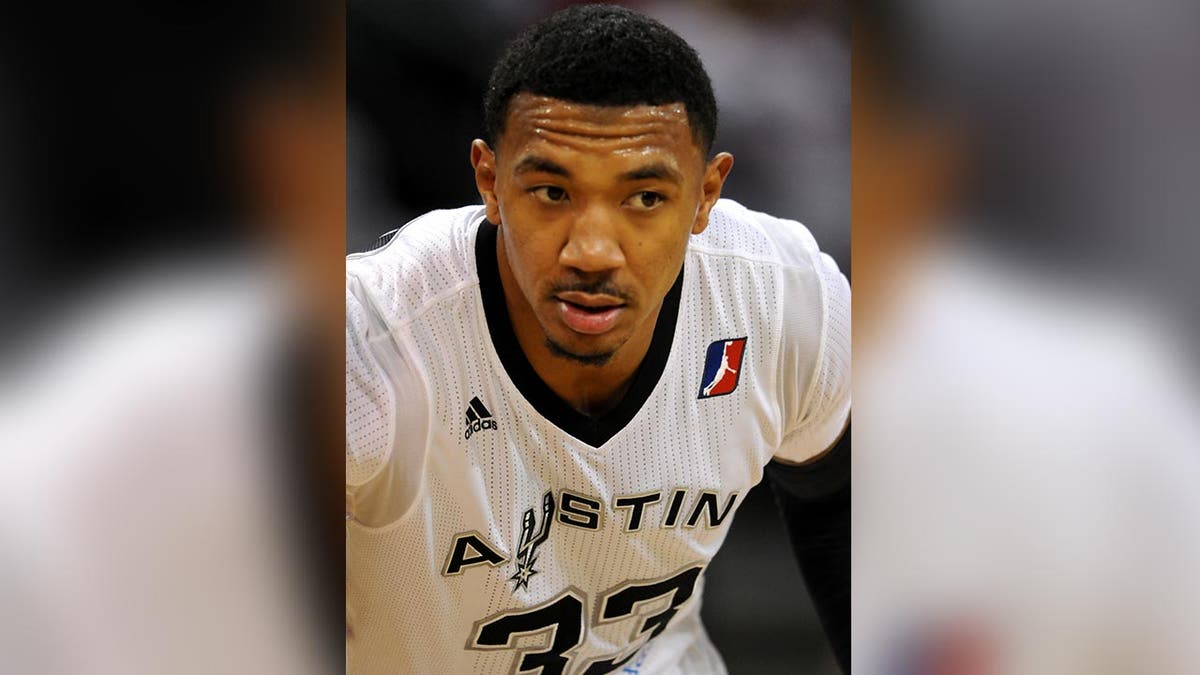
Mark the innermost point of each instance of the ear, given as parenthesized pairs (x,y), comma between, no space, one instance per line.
(484,162)
(714,178)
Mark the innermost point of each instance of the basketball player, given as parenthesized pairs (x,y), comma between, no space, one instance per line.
(557,400)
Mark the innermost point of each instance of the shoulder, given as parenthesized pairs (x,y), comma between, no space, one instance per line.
(734,230)
(808,284)
(427,259)
(776,252)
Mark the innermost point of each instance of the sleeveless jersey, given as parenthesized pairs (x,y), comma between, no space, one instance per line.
(493,529)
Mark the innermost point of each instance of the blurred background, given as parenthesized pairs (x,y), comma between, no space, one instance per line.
(1027,450)
(172,201)
(781,73)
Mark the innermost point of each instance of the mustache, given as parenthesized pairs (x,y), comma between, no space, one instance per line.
(593,287)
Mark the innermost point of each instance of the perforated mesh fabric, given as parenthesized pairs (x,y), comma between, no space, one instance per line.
(825,405)
(831,391)
(370,401)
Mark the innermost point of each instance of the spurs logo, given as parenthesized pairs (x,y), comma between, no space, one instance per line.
(530,541)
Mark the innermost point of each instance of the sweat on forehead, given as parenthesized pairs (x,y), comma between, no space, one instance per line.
(541,112)
(602,55)
(539,124)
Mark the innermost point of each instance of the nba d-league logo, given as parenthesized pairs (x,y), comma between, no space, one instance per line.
(722,367)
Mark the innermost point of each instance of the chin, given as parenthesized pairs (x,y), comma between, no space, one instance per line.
(586,349)
(582,357)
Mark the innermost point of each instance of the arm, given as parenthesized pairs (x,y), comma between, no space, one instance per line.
(814,499)
(810,472)
(386,416)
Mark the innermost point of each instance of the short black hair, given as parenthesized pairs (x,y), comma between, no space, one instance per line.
(602,55)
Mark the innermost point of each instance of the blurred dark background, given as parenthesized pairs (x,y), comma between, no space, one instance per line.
(161,167)
(781,72)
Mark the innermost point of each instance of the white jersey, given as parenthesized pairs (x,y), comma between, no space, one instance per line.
(493,529)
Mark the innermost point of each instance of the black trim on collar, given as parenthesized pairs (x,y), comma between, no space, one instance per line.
(595,431)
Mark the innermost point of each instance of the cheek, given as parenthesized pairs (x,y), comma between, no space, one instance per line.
(658,259)
(533,249)
(531,253)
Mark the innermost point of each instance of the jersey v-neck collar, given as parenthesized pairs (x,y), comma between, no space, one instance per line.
(595,431)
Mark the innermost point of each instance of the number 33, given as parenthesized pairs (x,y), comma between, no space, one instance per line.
(564,615)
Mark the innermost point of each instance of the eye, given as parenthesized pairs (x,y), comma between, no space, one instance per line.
(645,200)
(550,194)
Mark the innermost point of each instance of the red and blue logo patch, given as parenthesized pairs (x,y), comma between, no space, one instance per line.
(722,367)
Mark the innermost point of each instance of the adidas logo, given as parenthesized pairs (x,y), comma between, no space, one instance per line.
(478,417)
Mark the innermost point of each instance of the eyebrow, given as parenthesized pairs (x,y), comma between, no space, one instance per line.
(531,163)
(657,170)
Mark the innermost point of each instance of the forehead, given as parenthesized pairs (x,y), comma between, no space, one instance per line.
(542,124)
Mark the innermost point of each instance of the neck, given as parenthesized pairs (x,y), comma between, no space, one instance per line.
(589,389)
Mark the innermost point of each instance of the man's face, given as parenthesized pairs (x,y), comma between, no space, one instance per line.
(595,206)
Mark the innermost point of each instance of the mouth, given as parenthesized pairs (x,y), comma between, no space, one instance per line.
(589,314)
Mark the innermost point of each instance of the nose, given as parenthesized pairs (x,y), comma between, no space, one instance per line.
(592,244)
